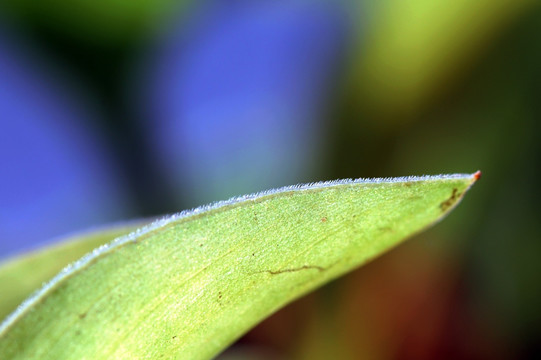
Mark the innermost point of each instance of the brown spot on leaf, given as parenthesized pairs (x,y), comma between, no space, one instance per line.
(82,316)
(323,219)
(451,201)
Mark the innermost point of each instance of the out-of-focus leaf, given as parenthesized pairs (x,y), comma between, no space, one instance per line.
(22,275)
(191,284)
(417,48)
(96,21)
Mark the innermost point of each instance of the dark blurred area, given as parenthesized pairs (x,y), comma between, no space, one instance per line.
(113,110)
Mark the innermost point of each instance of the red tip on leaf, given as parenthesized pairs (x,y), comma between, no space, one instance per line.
(477,175)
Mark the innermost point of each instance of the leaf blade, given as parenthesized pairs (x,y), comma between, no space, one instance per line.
(193,283)
(24,274)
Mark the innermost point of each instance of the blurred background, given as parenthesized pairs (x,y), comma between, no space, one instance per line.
(118,109)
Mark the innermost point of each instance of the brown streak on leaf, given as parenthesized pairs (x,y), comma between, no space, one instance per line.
(451,201)
(305,267)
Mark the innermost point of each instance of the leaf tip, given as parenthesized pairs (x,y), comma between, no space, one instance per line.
(477,175)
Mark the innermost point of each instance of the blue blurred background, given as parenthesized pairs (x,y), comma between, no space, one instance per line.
(112,110)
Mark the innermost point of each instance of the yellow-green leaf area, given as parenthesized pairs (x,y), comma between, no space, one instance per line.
(186,287)
(24,274)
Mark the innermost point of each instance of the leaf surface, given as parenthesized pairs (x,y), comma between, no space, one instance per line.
(22,275)
(187,286)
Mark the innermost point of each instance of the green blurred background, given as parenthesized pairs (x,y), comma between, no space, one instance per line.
(117,109)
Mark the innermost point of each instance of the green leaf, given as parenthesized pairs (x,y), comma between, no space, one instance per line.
(119,20)
(21,276)
(189,285)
